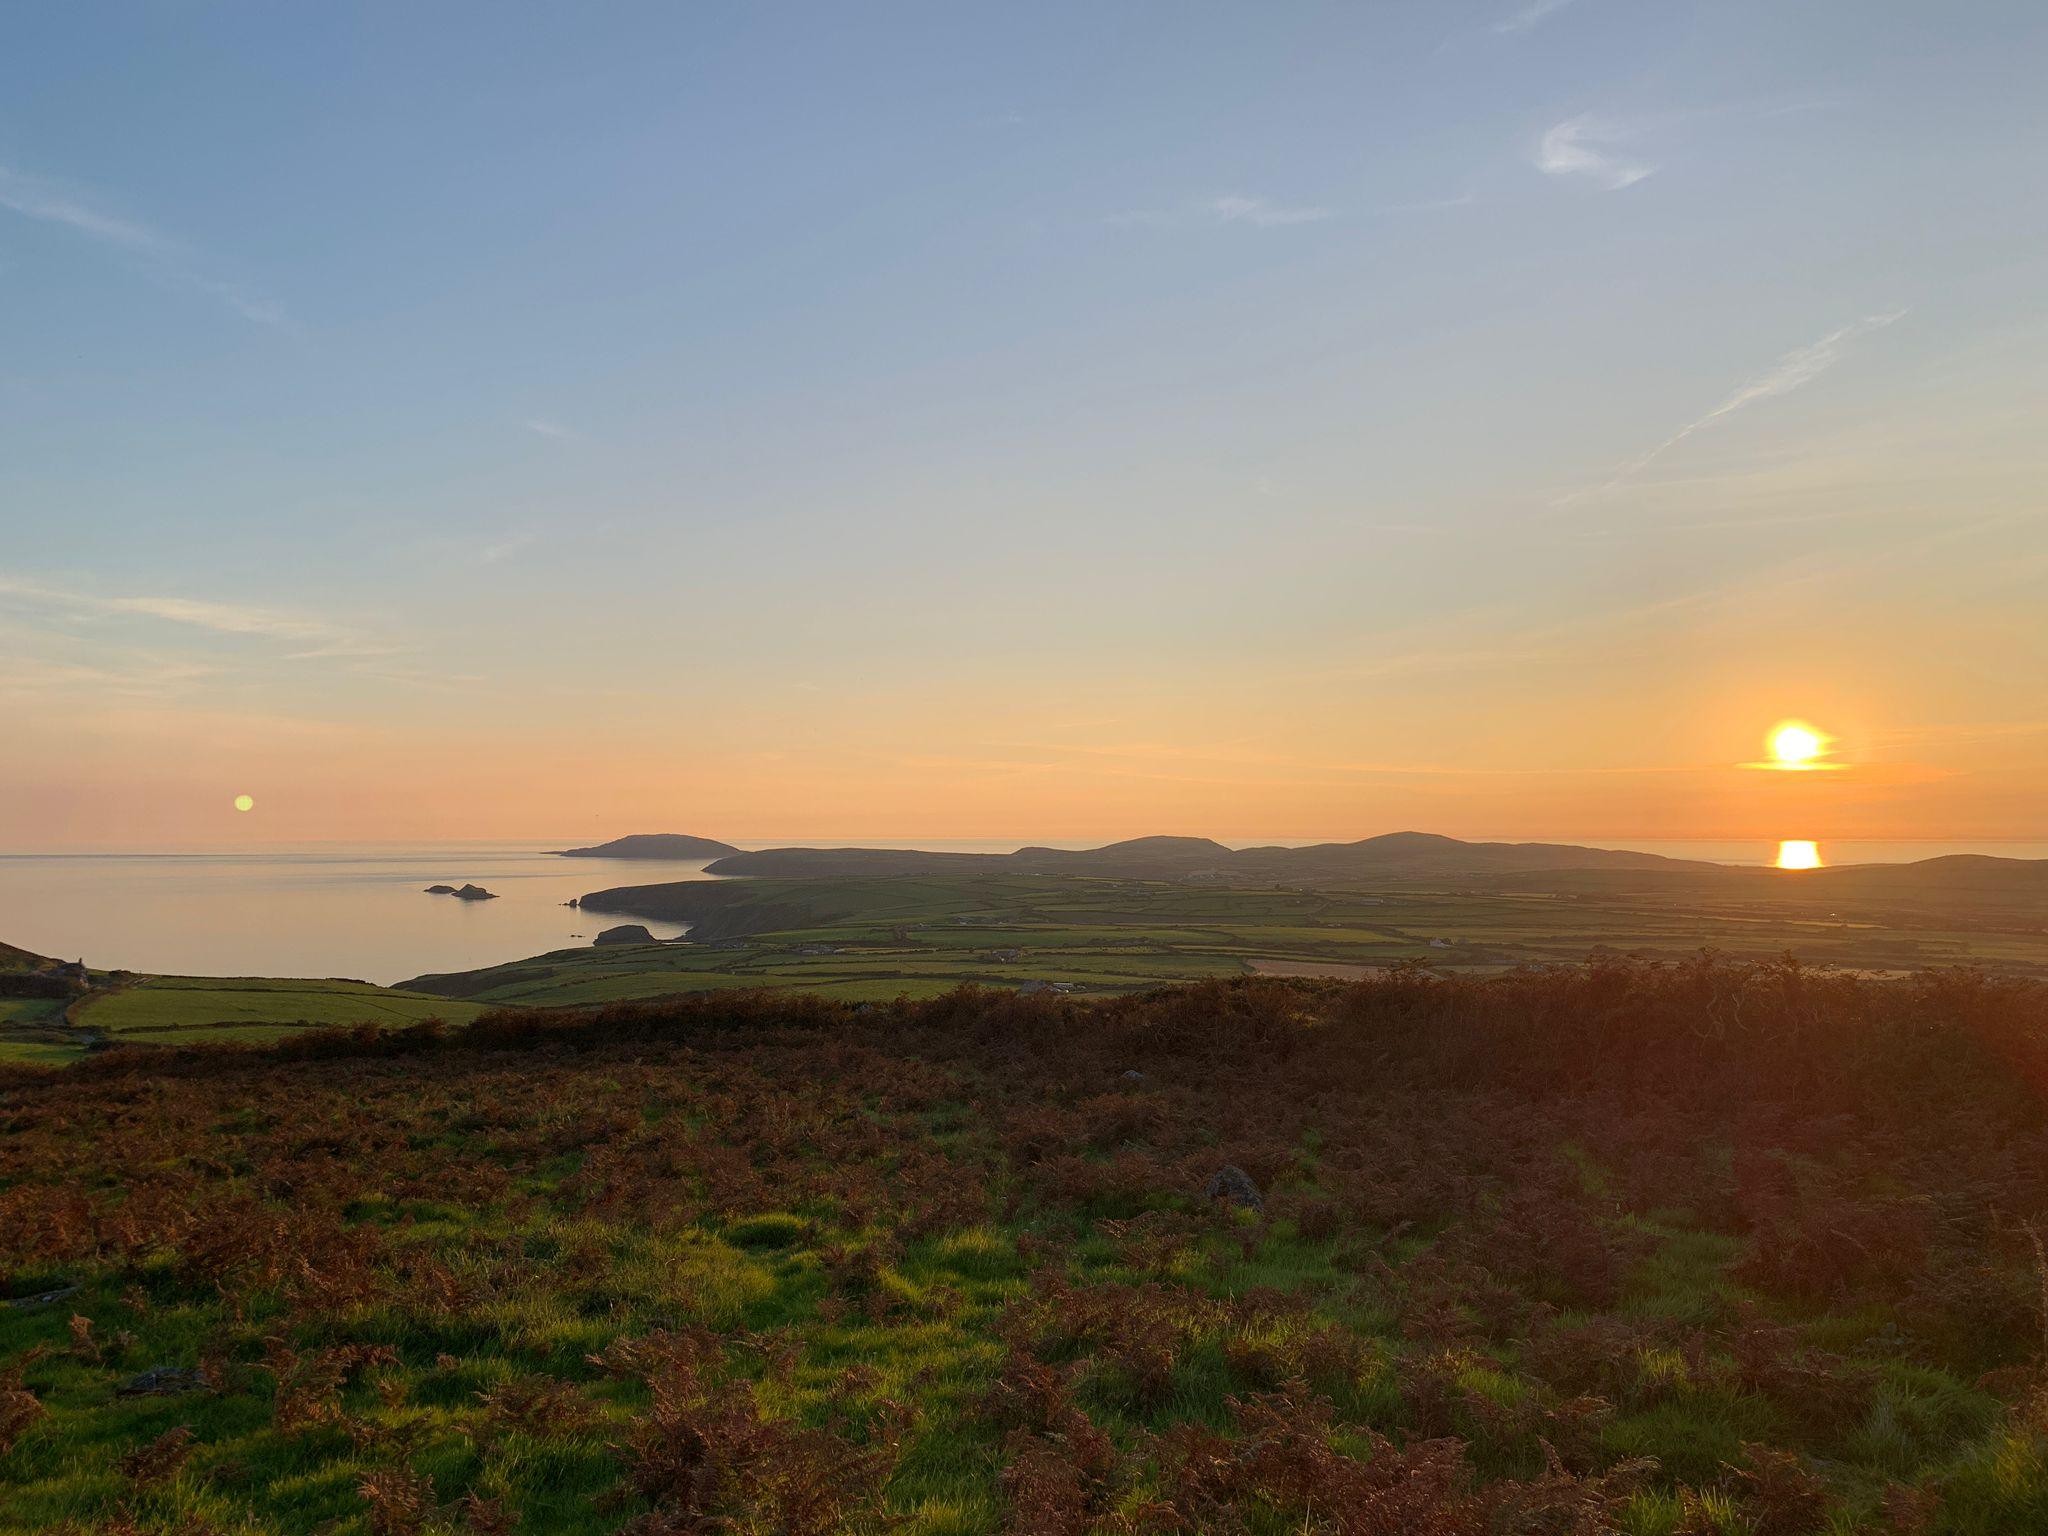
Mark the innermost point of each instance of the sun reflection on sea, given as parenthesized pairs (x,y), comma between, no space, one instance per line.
(1798,853)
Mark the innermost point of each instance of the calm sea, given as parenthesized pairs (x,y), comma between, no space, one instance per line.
(360,911)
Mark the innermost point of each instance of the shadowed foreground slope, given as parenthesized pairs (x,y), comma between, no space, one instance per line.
(1701,1248)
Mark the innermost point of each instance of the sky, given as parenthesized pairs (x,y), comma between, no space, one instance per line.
(1049,421)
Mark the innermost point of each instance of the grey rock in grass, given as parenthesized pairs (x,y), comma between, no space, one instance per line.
(43,1298)
(165,1381)
(1233,1184)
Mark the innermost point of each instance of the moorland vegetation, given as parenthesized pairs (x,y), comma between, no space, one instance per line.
(1708,1247)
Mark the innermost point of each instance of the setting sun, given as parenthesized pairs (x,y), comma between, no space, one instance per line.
(245,802)
(1798,853)
(1794,744)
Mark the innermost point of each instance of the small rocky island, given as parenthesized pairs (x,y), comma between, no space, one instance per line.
(463,892)
(625,933)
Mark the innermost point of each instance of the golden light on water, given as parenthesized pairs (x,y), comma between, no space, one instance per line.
(1798,853)
(245,802)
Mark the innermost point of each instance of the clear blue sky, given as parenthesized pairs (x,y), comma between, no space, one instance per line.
(1051,418)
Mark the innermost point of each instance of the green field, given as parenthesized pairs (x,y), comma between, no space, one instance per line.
(197,1007)
(30,1010)
(32,1032)
(873,939)
(915,937)
(35,1051)
(184,1010)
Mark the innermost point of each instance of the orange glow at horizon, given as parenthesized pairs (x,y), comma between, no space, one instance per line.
(1247,766)
(1798,853)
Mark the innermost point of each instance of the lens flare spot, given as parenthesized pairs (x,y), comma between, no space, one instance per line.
(1798,853)
(245,802)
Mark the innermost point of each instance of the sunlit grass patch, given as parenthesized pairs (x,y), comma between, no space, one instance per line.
(1916,1417)
(980,1253)
(1684,1277)
(2001,1484)
(1693,1438)
(39,1052)
(696,1276)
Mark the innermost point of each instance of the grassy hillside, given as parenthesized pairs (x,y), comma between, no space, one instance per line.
(1712,1248)
(179,1010)
(12,959)
(1393,855)
(31,1028)
(32,1032)
(875,938)
(808,963)
(184,1009)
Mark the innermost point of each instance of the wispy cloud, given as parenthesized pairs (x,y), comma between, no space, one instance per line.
(1429,205)
(1797,368)
(540,426)
(1579,146)
(32,676)
(49,202)
(1800,366)
(34,198)
(506,545)
(250,306)
(1266,215)
(1530,16)
(319,637)
(224,618)
(1234,208)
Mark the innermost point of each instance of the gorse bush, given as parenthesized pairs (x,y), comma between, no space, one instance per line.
(1712,1247)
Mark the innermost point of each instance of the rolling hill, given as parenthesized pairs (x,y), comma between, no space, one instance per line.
(13,959)
(654,845)
(1173,858)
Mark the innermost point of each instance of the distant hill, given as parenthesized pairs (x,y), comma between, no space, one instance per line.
(1171,850)
(723,909)
(1395,854)
(1955,872)
(654,845)
(1427,853)
(12,959)
(1956,892)
(856,862)
(717,911)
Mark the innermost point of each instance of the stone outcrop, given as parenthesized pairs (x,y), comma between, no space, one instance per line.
(1232,1184)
